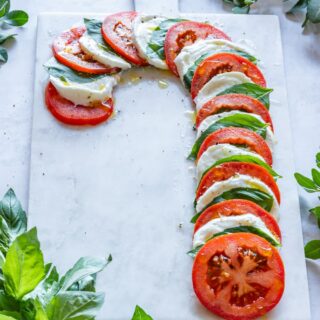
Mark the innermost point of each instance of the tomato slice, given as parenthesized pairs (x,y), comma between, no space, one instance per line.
(221,63)
(238,276)
(230,102)
(185,33)
(235,208)
(68,113)
(66,49)
(238,136)
(230,169)
(117,32)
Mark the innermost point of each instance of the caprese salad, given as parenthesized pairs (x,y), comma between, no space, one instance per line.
(237,273)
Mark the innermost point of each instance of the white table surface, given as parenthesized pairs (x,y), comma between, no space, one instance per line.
(302,58)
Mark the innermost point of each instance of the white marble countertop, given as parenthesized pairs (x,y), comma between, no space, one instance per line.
(302,62)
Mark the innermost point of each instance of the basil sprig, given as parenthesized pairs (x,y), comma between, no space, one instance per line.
(263,199)
(140,314)
(240,229)
(236,120)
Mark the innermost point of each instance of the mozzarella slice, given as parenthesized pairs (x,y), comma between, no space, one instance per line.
(207,122)
(143,27)
(102,55)
(218,152)
(85,94)
(190,54)
(218,84)
(237,181)
(218,225)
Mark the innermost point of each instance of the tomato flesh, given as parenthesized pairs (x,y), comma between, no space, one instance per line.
(238,136)
(117,32)
(222,63)
(238,276)
(233,101)
(186,33)
(66,49)
(68,113)
(230,169)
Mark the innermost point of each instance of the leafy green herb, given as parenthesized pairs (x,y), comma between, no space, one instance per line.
(236,120)
(4,38)
(312,8)
(140,314)
(3,55)
(251,89)
(240,6)
(16,18)
(261,198)
(312,249)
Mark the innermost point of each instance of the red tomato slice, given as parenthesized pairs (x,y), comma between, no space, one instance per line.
(66,49)
(238,276)
(230,102)
(238,136)
(68,113)
(185,33)
(235,208)
(221,63)
(229,169)
(117,32)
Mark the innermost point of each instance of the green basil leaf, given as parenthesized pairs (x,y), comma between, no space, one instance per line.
(84,267)
(156,44)
(5,236)
(306,183)
(86,284)
(4,7)
(312,249)
(5,37)
(236,120)
(241,10)
(252,90)
(3,55)
(140,314)
(7,315)
(318,159)
(16,18)
(316,212)
(316,176)
(71,305)
(8,303)
(24,266)
(40,313)
(313,11)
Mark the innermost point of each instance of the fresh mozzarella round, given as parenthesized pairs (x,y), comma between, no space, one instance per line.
(237,181)
(218,225)
(218,84)
(143,27)
(207,122)
(101,54)
(85,94)
(220,151)
(190,54)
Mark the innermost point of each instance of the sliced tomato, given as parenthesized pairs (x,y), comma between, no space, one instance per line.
(221,63)
(229,169)
(238,136)
(238,276)
(185,33)
(117,32)
(66,49)
(68,113)
(230,102)
(235,208)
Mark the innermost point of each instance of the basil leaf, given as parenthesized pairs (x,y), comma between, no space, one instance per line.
(16,18)
(313,11)
(5,236)
(4,315)
(84,267)
(86,284)
(318,159)
(236,120)
(261,198)
(4,7)
(40,313)
(24,266)
(4,38)
(316,212)
(75,305)
(8,303)
(3,55)
(306,183)
(312,249)
(140,314)
(252,90)
(156,43)
(316,176)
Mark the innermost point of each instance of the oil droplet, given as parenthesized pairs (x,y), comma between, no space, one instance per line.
(163,84)
(135,79)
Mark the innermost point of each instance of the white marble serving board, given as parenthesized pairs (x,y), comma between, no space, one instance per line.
(126,188)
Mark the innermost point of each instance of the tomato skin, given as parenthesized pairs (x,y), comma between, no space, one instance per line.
(238,136)
(68,113)
(233,101)
(66,49)
(185,33)
(238,207)
(219,302)
(230,169)
(117,32)
(224,62)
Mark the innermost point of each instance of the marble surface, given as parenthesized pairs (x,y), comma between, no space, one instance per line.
(302,55)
